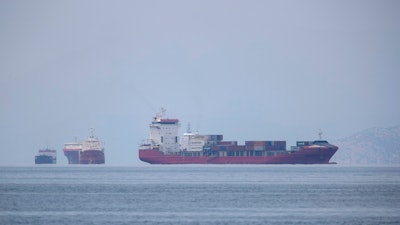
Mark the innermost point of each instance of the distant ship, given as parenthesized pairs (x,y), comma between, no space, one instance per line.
(90,151)
(46,156)
(165,147)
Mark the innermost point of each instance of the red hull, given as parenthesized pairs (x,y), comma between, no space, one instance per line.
(85,157)
(92,157)
(308,155)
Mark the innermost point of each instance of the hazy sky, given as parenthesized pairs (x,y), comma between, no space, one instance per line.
(251,70)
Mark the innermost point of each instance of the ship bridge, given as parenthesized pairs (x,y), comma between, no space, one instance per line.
(164,132)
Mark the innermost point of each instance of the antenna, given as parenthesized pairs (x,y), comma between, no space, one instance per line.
(320,134)
(92,132)
(161,114)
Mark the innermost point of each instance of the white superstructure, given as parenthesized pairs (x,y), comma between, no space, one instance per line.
(193,142)
(72,146)
(92,143)
(164,133)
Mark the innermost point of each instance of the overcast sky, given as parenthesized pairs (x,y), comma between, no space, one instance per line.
(250,70)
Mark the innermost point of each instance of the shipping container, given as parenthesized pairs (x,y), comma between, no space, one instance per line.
(227,143)
(215,148)
(258,153)
(265,143)
(249,147)
(294,148)
(257,143)
(304,143)
(235,148)
(214,137)
(259,148)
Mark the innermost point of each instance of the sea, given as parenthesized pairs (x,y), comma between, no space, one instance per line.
(200,194)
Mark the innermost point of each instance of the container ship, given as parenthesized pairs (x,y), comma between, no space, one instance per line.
(46,156)
(90,151)
(165,147)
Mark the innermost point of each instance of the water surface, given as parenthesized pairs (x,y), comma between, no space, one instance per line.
(200,194)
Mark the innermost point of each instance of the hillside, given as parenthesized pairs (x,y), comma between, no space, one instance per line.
(379,146)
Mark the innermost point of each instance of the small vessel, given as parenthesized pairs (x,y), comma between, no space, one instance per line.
(90,151)
(46,156)
(165,147)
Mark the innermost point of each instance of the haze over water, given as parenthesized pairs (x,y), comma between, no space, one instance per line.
(250,70)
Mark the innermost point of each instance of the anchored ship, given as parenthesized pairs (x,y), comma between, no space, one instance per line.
(46,156)
(90,151)
(165,147)
(72,151)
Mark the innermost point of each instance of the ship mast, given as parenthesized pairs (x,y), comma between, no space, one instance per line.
(91,132)
(161,114)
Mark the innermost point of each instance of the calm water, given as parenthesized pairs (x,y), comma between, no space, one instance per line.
(261,194)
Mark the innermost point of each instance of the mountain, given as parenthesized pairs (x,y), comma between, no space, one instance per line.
(377,145)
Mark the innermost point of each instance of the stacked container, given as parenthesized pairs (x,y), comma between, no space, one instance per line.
(266,145)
